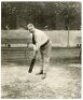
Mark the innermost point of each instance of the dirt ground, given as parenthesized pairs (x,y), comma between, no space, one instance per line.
(63,81)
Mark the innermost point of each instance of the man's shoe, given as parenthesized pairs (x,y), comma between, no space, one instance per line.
(29,71)
(41,72)
(43,76)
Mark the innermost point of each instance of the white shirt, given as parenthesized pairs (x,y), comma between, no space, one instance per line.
(40,38)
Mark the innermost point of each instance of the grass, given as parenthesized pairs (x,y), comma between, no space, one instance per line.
(63,82)
(24,55)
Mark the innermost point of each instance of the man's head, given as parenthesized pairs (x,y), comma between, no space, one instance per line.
(31,28)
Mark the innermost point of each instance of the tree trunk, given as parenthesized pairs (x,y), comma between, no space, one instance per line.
(68,38)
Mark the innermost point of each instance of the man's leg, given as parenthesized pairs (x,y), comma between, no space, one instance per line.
(42,61)
(32,63)
(45,67)
(46,52)
(44,64)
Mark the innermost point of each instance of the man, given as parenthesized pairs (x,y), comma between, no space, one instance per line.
(40,42)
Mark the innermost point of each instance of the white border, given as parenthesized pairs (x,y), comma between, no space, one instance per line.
(40,1)
(0,51)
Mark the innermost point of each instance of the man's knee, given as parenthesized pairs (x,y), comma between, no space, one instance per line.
(46,60)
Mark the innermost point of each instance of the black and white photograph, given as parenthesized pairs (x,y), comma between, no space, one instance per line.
(41,49)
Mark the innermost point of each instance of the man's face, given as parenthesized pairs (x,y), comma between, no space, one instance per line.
(31,29)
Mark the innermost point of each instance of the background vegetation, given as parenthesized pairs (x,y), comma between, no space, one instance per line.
(45,15)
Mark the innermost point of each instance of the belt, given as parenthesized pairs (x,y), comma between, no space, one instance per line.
(45,43)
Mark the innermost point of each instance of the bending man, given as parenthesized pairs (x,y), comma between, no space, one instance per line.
(41,43)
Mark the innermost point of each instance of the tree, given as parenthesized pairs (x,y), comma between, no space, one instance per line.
(69,14)
(16,14)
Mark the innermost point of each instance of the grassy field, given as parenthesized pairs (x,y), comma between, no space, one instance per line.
(23,54)
(63,78)
(63,81)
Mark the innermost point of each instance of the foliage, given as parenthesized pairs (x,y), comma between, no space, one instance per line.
(42,14)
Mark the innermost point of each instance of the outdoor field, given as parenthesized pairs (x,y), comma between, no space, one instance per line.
(64,71)
(63,79)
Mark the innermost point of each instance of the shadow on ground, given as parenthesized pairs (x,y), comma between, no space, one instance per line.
(63,81)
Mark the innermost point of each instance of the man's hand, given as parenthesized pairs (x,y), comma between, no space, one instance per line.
(35,48)
(32,46)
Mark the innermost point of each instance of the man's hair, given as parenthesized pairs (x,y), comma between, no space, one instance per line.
(30,25)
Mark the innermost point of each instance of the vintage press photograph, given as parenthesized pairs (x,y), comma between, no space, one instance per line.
(41,50)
